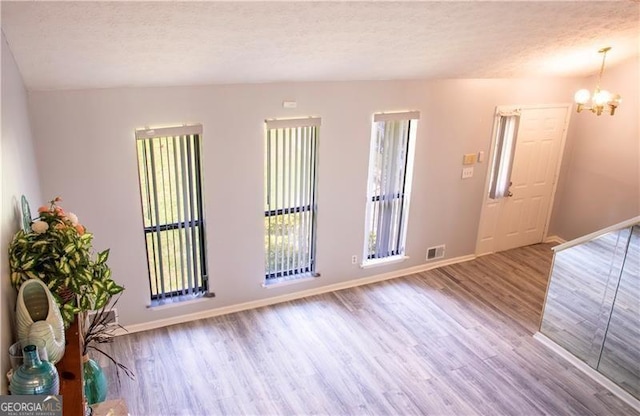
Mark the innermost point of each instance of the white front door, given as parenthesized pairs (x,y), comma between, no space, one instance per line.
(521,218)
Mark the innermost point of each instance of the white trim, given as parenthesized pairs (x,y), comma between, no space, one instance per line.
(169,305)
(487,180)
(563,142)
(385,261)
(367,210)
(160,323)
(169,131)
(589,371)
(508,112)
(624,224)
(536,106)
(554,239)
(405,115)
(287,123)
(290,281)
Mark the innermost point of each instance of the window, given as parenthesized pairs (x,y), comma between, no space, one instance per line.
(169,169)
(389,185)
(505,144)
(290,178)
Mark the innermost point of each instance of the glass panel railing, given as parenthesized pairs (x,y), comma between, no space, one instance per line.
(620,358)
(592,306)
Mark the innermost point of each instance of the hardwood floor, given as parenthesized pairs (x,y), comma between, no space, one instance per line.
(451,341)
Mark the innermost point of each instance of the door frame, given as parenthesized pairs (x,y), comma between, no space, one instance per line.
(485,195)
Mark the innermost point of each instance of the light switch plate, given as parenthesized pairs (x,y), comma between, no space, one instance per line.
(467,172)
(289,104)
(469,159)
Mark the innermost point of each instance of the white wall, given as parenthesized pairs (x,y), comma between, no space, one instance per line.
(86,153)
(19,177)
(600,178)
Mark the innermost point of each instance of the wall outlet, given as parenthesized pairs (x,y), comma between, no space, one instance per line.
(436,252)
(354,259)
(467,172)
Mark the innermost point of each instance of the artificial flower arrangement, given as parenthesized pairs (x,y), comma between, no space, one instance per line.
(58,250)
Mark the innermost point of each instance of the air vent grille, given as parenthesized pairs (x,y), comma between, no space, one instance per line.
(436,252)
(110,319)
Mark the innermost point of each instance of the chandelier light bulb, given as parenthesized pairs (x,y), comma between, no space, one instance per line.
(615,99)
(601,97)
(582,96)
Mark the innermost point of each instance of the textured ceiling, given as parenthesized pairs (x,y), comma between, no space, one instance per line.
(72,45)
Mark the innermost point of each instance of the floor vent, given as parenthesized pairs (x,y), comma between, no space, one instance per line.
(436,252)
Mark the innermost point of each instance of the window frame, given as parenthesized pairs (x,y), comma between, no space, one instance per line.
(193,223)
(310,186)
(403,194)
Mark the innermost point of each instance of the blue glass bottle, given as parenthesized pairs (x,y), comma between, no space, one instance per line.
(34,376)
(95,382)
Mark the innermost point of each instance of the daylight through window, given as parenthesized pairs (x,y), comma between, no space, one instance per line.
(389,184)
(505,144)
(290,178)
(169,168)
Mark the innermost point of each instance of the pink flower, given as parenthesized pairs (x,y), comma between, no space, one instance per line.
(39,227)
(73,218)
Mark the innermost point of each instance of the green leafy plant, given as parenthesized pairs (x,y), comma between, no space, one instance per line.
(58,250)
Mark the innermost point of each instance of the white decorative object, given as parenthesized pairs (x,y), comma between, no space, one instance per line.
(38,318)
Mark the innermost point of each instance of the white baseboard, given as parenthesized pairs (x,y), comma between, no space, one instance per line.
(589,371)
(555,239)
(160,323)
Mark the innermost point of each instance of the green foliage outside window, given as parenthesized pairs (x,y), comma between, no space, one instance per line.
(283,248)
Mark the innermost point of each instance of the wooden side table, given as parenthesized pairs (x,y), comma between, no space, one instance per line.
(70,372)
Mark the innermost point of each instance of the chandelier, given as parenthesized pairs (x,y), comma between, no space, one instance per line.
(601,100)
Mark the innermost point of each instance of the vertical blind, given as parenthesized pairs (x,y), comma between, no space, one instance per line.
(170,176)
(505,144)
(290,178)
(388,187)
